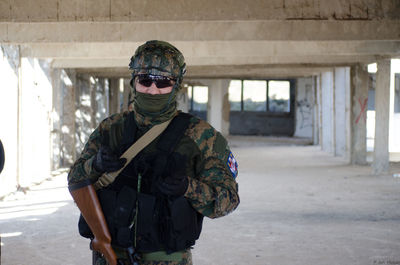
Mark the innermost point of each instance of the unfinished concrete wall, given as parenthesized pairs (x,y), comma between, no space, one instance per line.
(304,112)
(327,112)
(56,119)
(84,113)
(119,10)
(342,112)
(101,98)
(9,65)
(92,106)
(34,121)
(67,117)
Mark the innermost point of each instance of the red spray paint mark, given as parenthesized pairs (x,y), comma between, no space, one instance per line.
(363,112)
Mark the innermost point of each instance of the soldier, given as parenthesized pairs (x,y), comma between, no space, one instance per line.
(152,212)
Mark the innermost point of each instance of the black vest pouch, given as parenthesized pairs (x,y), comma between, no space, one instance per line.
(185,226)
(147,224)
(124,214)
(107,199)
(119,211)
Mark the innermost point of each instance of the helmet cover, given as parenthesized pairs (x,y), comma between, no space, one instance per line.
(158,58)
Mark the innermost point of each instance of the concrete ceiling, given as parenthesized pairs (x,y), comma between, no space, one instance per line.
(218,38)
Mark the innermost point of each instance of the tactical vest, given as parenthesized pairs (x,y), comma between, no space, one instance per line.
(167,223)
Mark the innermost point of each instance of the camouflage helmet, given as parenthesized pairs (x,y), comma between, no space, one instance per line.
(158,58)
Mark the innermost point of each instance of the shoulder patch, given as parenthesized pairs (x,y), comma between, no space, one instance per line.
(232,165)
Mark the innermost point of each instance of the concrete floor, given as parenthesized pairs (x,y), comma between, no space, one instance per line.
(298,206)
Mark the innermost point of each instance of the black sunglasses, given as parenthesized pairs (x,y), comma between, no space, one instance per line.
(158,80)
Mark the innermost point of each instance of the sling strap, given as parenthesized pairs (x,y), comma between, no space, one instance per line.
(109,177)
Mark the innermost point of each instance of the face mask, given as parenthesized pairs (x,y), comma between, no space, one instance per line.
(155,105)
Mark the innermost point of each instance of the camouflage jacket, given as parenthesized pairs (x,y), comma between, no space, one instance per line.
(211,167)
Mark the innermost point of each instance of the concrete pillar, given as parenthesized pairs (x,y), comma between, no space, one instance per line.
(100,100)
(125,96)
(318,111)
(359,100)
(342,112)
(56,119)
(183,100)
(327,100)
(93,102)
(304,115)
(382,118)
(218,105)
(114,98)
(68,128)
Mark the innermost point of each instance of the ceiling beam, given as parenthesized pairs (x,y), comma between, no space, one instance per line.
(194,49)
(225,71)
(268,30)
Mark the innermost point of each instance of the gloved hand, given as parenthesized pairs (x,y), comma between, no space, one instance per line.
(106,161)
(175,181)
(175,185)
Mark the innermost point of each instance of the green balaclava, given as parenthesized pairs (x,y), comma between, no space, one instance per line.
(162,59)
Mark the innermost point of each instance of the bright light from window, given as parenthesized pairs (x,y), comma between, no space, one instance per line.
(254,90)
(235,94)
(235,87)
(200,94)
(254,95)
(279,96)
(279,89)
(372,68)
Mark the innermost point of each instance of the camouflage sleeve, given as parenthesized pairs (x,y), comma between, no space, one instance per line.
(82,170)
(214,190)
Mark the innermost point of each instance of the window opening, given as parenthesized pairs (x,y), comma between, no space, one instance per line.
(279,96)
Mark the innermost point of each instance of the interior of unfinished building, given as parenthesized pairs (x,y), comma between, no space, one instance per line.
(324,73)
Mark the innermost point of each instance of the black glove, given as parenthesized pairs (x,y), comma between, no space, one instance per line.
(106,161)
(173,185)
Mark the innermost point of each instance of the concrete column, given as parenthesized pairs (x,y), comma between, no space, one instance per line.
(125,95)
(359,100)
(304,107)
(68,128)
(327,100)
(56,119)
(318,112)
(93,102)
(218,105)
(342,111)
(183,100)
(382,118)
(114,97)
(100,100)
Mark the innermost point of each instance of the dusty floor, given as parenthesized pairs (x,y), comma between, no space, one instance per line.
(299,205)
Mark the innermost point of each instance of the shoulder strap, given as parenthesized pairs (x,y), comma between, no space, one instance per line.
(108,178)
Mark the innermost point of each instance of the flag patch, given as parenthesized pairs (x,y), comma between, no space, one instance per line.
(232,165)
